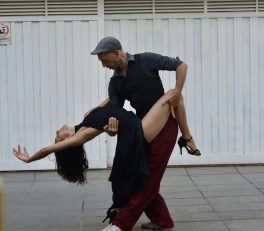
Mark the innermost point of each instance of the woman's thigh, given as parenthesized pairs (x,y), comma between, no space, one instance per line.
(156,118)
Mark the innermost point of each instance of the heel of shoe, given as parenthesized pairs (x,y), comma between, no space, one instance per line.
(181,150)
(183,143)
(110,214)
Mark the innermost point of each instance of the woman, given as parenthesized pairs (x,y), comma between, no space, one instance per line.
(129,167)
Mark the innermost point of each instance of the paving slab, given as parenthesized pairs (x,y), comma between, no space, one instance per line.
(246,225)
(219,179)
(200,226)
(210,170)
(234,204)
(254,177)
(250,169)
(199,198)
(242,215)
(229,190)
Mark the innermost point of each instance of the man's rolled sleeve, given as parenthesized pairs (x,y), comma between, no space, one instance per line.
(160,62)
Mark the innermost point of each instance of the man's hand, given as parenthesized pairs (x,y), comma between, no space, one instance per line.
(20,155)
(172,100)
(112,127)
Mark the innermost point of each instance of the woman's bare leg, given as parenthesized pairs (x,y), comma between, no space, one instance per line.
(181,119)
(158,115)
(156,118)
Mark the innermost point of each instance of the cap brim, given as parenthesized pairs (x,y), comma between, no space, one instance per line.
(95,52)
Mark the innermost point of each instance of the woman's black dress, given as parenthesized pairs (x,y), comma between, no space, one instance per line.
(130,168)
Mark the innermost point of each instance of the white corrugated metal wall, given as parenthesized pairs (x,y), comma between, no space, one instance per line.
(223,92)
(48,77)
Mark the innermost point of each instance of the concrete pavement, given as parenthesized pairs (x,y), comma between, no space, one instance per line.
(199,198)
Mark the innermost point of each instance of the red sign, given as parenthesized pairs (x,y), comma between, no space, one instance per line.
(5,33)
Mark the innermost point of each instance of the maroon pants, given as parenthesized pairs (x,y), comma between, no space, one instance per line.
(149,200)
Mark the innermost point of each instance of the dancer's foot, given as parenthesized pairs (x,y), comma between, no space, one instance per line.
(152,226)
(190,143)
(112,213)
(111,227)
(190,146)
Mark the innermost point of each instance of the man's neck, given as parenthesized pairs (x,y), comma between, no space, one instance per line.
(123,64)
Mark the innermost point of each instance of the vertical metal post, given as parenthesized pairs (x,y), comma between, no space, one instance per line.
(46,7)
(205,6)
(1,207)
(100,16)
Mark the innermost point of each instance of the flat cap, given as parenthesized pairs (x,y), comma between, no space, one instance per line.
(107,44)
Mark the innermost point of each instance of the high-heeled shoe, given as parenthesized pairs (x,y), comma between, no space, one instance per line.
(183,143)
(111,214)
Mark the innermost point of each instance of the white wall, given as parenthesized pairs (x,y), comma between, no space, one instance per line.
(48,77)
(223,93)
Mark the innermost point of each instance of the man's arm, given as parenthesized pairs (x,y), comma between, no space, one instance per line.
(181,72)
(160,62)
(105,103)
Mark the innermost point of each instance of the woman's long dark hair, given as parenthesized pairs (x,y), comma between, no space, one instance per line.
(72,164)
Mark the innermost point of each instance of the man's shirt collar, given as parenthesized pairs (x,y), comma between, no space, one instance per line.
(130,58)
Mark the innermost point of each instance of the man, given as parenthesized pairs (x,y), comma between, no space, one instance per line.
(136,79)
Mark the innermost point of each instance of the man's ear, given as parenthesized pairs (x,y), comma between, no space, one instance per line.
(117,53)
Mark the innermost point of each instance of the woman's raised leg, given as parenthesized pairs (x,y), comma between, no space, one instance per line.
(156,118)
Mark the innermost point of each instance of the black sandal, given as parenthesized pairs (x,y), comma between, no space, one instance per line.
(111,214)
(183,143)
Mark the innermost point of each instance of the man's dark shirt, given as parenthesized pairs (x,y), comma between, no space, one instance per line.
(142,86)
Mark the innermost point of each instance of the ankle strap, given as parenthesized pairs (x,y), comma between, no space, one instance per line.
(187,140)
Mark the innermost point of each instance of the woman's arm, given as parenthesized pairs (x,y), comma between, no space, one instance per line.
(78,139)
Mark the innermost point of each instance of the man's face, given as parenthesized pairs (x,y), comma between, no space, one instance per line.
(110,59)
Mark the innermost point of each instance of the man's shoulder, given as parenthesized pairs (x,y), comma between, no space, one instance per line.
(112,79)
(148,56)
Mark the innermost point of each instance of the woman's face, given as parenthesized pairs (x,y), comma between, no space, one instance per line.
(62,133)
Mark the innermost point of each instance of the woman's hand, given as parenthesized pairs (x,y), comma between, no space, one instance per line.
(172,98)
(20,155)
